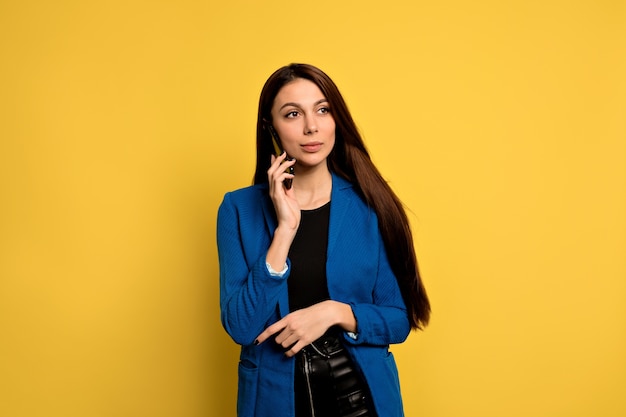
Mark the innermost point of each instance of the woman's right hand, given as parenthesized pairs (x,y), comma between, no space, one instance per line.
(285,203)
(287,211)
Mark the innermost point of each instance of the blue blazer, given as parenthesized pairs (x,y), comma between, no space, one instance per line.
(251,299)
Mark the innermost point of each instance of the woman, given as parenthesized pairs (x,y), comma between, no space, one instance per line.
(318,273)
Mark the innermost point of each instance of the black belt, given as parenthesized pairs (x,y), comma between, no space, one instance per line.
(327,383)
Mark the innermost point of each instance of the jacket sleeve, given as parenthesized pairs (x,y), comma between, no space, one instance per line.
(248,293)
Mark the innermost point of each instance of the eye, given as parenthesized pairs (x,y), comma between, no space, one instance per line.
(323,110)
(291,114)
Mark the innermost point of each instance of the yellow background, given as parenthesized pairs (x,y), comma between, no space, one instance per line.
(500,124)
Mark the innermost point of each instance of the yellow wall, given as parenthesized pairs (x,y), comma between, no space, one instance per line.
(500,124)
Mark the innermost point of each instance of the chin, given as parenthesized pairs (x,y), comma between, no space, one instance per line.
(311,162)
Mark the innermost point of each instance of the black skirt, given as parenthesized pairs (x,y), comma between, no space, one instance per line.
(327,384)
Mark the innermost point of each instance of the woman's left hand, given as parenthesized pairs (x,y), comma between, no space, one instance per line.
(301,327)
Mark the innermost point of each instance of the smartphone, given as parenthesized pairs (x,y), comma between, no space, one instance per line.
(278,150)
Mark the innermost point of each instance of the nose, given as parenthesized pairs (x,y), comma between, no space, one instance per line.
(310,126)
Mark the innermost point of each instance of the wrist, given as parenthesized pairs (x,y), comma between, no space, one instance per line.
(344,316)
(274,272)
(285,232)
(278,251)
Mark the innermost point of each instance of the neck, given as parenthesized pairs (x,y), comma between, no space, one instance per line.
(312,188)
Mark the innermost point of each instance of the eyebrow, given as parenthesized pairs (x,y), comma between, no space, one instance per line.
(323,100)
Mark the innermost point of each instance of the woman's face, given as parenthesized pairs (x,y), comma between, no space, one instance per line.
(303,121)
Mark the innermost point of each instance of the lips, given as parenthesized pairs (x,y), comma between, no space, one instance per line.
(312,146)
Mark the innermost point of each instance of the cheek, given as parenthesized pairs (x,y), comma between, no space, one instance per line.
(328,124)
(333,132)
(288,135)
(284,130)
(331,125)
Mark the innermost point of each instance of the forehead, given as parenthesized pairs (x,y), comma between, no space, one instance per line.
(299,91)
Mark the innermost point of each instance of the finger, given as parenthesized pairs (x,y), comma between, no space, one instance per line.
(275,161)
(276,170)
(263,337)
(282,170)
(286,338)
(295,349)
(281,163)
(274,328)
(288,162)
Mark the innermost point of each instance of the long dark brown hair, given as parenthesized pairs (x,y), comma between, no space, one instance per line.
(351,160)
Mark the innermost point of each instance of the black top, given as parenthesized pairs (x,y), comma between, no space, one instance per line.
(307,279)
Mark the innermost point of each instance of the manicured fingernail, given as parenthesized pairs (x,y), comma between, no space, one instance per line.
(256,342)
